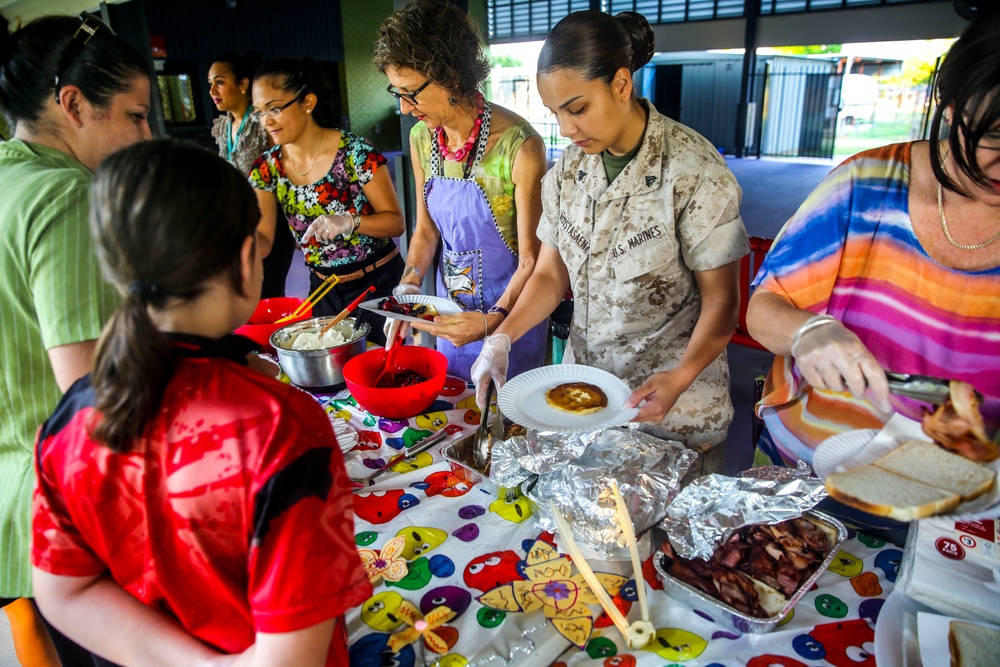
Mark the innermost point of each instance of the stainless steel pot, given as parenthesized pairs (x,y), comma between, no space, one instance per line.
(317,368)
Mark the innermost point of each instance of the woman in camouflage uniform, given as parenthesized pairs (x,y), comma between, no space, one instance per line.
(641,219)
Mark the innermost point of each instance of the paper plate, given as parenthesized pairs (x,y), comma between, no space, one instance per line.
(846,451)
(832,453)
(890,647)
(522,399)
(347,437)
(444,306)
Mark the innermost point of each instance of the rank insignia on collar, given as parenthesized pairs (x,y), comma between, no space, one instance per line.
(580,175)
(650,180)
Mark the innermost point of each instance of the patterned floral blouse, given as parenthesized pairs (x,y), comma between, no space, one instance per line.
(338,191)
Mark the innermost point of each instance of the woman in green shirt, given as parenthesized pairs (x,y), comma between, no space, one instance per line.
(73,92)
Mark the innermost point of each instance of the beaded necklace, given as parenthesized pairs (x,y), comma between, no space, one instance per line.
(466,150)
(230,142)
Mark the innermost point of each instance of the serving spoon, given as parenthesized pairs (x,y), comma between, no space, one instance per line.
(387,377)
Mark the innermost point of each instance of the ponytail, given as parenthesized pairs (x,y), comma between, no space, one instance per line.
(131,370)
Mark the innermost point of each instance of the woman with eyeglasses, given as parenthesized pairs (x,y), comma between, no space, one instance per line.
(242,139)
(73,92)
(479,169)
(642,220)
(332,186)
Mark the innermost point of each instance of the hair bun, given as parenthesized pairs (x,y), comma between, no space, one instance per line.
(642,37)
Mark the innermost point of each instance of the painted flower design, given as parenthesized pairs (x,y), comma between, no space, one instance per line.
(550,586)
(422,627)
(385,564)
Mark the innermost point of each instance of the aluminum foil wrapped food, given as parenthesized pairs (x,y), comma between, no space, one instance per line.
(709,510)
(574,471)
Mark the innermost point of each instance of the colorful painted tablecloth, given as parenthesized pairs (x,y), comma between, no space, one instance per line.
(462,540)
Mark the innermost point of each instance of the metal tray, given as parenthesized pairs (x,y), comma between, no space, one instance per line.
(725,616)
(459,455)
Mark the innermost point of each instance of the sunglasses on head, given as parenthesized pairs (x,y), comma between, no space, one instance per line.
(90,27)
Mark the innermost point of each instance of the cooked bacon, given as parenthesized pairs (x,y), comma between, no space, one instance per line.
(812,535)
(957,425)
(782,556)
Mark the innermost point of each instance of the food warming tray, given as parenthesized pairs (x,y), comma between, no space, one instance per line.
(727,617)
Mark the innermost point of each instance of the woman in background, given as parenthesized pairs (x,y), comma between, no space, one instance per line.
(332,186)
(188,506)
(479,168)
(242,139)
(73,92)
(641,219)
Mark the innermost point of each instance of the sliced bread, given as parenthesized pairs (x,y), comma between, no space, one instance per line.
(973,645)
(926,462)
(885,493)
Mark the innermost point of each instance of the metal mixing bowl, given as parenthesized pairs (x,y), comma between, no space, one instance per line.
(317,368)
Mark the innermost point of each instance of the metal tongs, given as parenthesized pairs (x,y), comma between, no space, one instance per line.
(925,388)
(421,446)
(481,445)
(920,387)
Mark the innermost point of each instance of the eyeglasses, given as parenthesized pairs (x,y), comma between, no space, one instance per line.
(274,112)
(89,28)
(409,97)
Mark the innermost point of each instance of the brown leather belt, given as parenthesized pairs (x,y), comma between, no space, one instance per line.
(362,272)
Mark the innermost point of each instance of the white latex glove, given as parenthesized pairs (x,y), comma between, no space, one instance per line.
(391,326)
(492,364)
(325,228)
(405,289)
(830,356)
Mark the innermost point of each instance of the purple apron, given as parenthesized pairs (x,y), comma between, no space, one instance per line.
(476,262)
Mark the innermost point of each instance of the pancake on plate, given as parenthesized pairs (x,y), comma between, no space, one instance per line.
(577,398)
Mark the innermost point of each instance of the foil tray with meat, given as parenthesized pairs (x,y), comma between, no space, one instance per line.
(752,582)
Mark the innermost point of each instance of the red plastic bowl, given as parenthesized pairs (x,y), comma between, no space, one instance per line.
(263,321)
(361,372)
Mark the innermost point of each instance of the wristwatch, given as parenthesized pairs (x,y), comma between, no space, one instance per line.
(357,222)
(411,269)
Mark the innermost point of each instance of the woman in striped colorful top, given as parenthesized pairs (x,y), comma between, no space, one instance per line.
(892,263)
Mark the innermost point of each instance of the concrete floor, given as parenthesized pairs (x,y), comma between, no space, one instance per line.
(772,191)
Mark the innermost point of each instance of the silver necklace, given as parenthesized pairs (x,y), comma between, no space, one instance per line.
(944,223)
(313,161)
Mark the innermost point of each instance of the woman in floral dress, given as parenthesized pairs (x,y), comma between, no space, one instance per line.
(339,200)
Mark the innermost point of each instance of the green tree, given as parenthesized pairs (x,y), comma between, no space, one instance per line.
(505,61)
(811,50)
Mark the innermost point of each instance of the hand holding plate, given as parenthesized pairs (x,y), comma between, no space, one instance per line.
(461,329)
(660,392)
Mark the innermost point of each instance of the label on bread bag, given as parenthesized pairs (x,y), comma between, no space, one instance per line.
(980,537)
(949,548)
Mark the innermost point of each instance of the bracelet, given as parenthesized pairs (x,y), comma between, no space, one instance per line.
(410,269)
(486,326)
(813,322)
(357,222)
(498,309)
